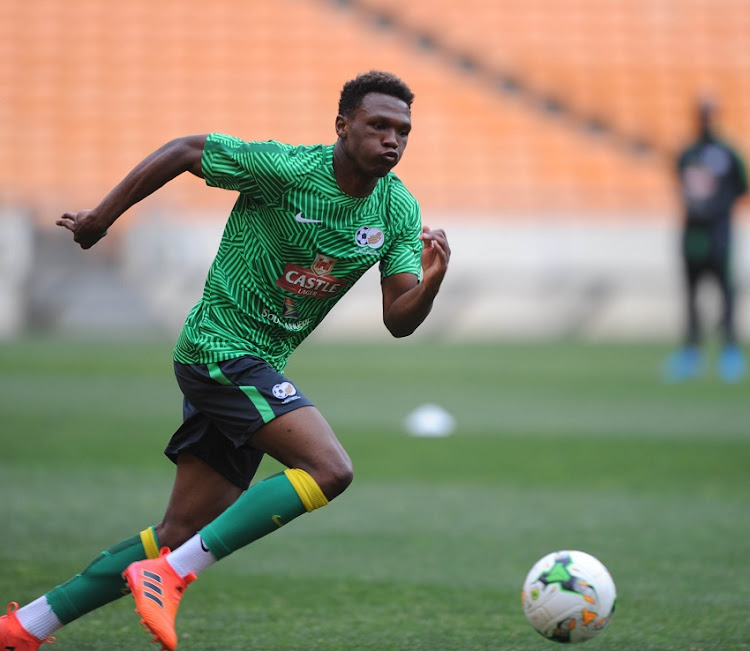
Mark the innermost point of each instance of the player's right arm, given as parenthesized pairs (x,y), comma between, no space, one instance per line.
(157,169)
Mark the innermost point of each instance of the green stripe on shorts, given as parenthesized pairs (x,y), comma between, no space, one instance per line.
(259,402)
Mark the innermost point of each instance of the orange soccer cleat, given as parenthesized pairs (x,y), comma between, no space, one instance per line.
(15,637)
(157,590)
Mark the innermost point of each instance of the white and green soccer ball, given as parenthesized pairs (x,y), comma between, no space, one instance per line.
(569,596)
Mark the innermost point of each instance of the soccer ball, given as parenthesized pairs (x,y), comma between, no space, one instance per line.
(569,596)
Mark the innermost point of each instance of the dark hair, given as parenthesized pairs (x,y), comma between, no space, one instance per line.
(374,81)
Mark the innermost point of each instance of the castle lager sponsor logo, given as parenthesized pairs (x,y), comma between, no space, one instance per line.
(316,281)
(323,264)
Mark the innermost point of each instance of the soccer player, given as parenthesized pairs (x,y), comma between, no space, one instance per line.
(712,178)
(308,222)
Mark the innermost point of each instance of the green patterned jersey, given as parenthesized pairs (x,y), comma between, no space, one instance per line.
(293,245)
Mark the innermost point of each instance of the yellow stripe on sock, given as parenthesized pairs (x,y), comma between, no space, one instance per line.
(307,489)
(151,547)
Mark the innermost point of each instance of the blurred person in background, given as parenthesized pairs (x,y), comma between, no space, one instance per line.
(712,177)
(307,224)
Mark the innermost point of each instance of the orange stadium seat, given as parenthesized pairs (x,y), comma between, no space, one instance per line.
(89,88)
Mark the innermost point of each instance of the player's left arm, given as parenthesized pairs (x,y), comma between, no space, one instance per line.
(406,301)
(742,185)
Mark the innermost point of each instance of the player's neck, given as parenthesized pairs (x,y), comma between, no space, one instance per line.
(707,135)
(350,180)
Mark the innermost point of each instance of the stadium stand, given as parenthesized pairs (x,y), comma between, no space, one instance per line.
(524,107)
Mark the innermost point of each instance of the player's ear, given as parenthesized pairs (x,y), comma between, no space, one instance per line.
(341,126)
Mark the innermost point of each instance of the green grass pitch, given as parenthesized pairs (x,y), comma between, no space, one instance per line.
(563,445)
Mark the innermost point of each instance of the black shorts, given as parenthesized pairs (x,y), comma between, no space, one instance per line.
(224,403)
(706,253)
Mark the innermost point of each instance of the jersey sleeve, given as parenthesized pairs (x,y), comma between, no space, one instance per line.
(405,254)
(254,168)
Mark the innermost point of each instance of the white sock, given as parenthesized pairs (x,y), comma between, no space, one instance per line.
(193,557)
(38,618)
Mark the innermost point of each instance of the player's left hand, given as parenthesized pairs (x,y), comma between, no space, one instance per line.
(436,254)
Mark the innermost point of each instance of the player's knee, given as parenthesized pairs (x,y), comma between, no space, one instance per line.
(343,477)
(335,477)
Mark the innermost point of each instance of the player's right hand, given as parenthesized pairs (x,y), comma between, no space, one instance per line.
(86,225)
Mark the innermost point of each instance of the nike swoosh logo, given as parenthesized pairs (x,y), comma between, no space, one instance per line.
(277,520)
(203,546)
(303,220)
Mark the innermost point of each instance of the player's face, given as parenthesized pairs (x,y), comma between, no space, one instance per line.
(375,135)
